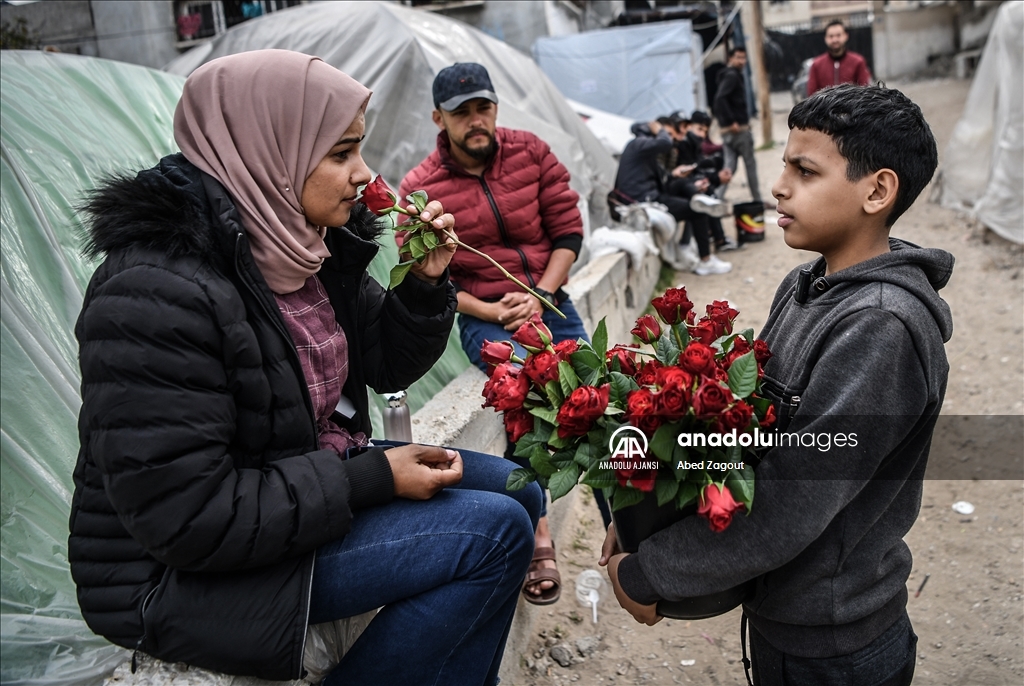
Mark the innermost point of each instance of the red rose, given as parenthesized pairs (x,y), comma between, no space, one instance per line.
(718,506)
(507,388)
(518,423)
(648,374)
(640,411)
(672,402)
(704,331)
(647,329)
(761,352)
(672,376)
(737,417)
(673,306)
(378,197)
(698,358)
(710,399)
(769,417)
(581,409)
(640,479)
(496,352)
(541,368)
(720,309)
(533,335)
(626,358)
(566,348)
(740,345)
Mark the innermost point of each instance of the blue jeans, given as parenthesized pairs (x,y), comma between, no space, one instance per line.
(889,660)
(447,572)
(473,332)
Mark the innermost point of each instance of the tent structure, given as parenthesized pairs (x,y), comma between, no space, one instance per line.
(396,51)
(983,165)
(68,121)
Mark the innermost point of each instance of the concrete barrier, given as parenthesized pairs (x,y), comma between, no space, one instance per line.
(606,287)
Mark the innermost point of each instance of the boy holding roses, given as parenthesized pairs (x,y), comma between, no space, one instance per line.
(857,341)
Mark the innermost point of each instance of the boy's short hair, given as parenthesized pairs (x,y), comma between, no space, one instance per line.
(874,128)
(735,49)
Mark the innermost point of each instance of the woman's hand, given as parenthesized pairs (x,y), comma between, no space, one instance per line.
(436,261)
(420,471)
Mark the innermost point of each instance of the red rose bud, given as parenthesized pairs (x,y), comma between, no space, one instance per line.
(704,331)
(581,409)
(541,368)
(566,348)
(721,309)
(496,352)
(648,373)
(717,506)
(647,329)
(698,358)
(740,345)
(640,479)
(507,388)
(761,352)
(710,399)
(769,417)
(674,306)
(518,423)
(737,417)
(640,411)
(626,358)
(378,197)
(533,335)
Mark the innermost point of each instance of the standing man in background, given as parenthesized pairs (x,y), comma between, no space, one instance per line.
(733,116)
(837,65)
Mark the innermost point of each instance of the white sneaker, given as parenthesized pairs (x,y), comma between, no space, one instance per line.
(729,244)
(706,204)
(712,265)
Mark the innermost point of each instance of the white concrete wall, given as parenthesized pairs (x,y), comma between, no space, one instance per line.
(905,40)
(137,32)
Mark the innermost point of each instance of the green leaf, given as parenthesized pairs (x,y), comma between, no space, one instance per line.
(429,240)
(749,335)
(540,460)
(596,477)
(419,199)
(621,386)
(563,481)
(544,413)
(588,366)
(557,442)
(741,484)
(567,378)
(416,247)
(624,497)
(398,273)
(666,350)
(553,391)
(526,444)
(584,455)
(664,442)
(682,332)
(743,375)
(665,489)
(600,339)
(518,479)
(688,492)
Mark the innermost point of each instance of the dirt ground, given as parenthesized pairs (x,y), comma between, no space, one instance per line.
(970,615)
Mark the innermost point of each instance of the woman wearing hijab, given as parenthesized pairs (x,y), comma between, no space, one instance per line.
(222,504)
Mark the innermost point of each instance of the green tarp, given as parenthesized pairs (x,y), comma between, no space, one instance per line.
(67,122)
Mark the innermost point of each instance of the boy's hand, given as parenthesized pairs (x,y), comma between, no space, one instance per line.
(645,614)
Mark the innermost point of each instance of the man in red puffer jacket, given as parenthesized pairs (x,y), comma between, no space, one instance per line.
(512,200)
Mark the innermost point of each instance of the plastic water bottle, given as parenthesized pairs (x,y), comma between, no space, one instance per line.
(397,423)
(589,585)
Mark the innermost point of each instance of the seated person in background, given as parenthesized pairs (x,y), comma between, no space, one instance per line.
(710,166)
(643,178)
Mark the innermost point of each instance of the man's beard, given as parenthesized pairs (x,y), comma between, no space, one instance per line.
(837,53)
(479,153)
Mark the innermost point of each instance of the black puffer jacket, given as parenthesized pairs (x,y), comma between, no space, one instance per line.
(200,491)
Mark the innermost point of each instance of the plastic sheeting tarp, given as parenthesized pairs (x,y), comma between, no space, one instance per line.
(67,122)
(396,51)
(641,72)
(983,165)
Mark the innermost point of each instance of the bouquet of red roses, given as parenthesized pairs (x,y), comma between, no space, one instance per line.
(584,412)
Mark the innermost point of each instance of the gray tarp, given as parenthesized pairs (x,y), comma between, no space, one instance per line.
(67,122)
(396,51)
(640,72)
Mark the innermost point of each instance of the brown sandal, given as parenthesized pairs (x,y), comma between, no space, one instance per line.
(538,574)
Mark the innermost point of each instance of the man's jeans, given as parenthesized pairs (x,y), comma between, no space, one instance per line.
(742,145)
(447,572)
(889,660)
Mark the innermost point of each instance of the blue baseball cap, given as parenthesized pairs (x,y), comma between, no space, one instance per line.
(460,82)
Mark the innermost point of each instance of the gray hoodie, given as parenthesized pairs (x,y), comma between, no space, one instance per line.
(862,354)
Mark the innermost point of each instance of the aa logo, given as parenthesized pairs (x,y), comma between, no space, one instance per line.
(628,443)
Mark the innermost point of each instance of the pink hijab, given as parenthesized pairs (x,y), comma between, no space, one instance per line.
(260,122)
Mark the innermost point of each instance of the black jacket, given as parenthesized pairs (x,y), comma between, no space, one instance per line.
(863,354)
(201,493)
(641,177)
(730,106)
